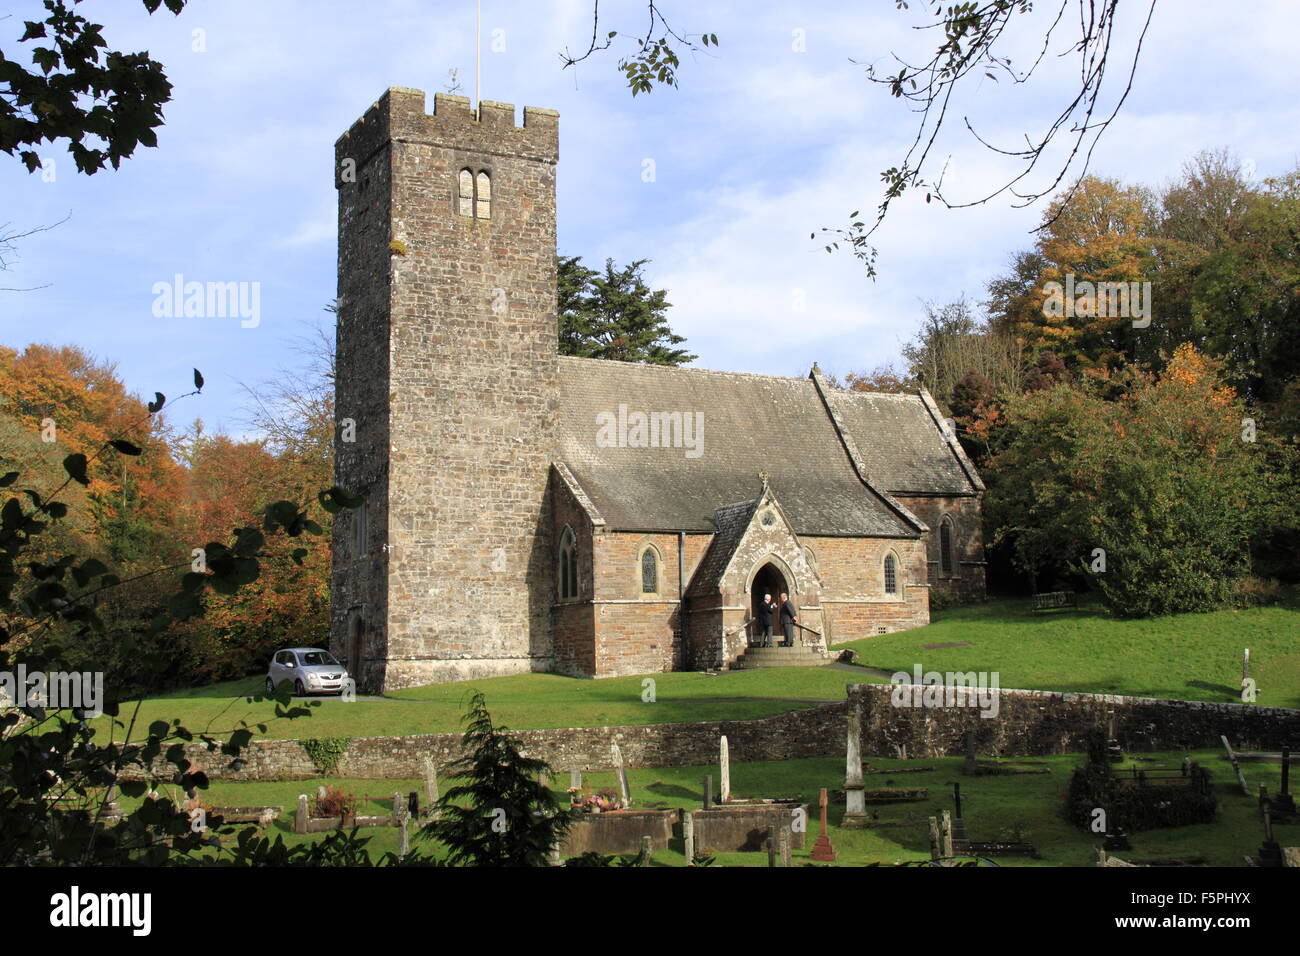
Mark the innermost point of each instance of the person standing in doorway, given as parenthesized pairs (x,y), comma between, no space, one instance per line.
(788,618)
(765,613)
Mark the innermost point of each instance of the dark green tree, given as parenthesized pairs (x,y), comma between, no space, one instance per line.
(501,815)
(614,315)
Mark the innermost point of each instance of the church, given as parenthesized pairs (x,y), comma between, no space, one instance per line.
(527,511)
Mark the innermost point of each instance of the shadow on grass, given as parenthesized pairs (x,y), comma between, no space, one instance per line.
(1232,693)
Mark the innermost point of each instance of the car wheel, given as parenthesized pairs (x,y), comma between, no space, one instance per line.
(270,687)
(298,688)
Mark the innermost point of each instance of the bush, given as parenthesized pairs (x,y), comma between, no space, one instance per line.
(336,802)
(1257,592)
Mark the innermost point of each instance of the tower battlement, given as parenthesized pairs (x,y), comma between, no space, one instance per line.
(399,114)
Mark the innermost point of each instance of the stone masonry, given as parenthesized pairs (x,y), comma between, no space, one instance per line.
(446,364)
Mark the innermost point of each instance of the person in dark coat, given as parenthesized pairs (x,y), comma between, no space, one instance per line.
(766,610)
(788,617)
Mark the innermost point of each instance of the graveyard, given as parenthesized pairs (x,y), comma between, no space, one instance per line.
(1002,808)
(732,768)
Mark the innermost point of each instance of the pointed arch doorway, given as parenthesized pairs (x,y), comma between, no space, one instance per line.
(767,580)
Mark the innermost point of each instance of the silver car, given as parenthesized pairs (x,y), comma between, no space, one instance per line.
(312,671)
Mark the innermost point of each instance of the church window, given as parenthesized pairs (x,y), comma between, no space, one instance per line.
(945,546)
(466,203)
(649,571)
(568,565)
(891,575)
(483,195)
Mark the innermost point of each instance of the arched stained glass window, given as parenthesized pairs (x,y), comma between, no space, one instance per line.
(567,569)
(649,571)
(945,545)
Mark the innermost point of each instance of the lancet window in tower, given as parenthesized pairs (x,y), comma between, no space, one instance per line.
(466,204)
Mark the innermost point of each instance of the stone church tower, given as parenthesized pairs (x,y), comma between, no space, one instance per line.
(447,394)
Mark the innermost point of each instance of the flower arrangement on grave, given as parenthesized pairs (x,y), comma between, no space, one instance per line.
(602,801)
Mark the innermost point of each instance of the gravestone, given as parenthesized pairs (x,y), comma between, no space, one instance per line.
(724,759)
(1284,801)
(646,850)
(770,845)
(575,779)
(1270,851)
(399,809)
(945,833)
(936,843)
(972,765)
(404,841)
(784,842)
(688,837)
(431,786)
(624,797)
(822,850)
(855,808)
(708,793)
(1241,777)
(960,841)
(301,815)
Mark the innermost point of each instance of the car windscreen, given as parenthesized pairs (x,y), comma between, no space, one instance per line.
(318,657)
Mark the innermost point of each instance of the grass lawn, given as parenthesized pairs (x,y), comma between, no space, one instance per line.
(520,702)
(1185,656)
(1020,807)
(1188,656)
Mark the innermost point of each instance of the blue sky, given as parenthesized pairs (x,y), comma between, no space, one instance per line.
(762,144)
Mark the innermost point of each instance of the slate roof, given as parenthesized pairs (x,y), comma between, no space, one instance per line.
(732,521)
(902,444)
(751,423)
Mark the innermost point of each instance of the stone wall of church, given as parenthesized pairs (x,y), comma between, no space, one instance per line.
(636,632)
(573,620)
(966,582)
(853,599)
(469,304)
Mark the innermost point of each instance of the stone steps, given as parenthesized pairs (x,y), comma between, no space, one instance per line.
(796,656)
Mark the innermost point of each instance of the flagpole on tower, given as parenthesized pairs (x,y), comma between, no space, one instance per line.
(478,58)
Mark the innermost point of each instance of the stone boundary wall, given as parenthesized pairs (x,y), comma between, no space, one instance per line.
(1036,723)
(1028,723)
(817,731)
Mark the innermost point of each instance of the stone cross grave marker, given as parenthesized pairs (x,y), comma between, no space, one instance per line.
(724,759)
(822,850)
(784,839)
(1284,801)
